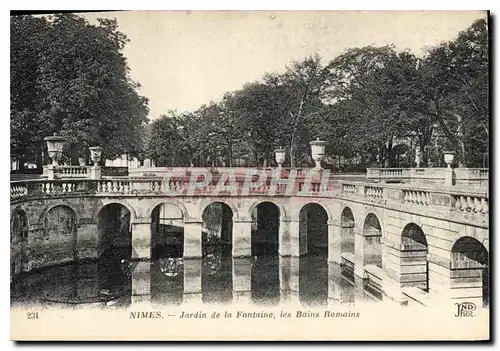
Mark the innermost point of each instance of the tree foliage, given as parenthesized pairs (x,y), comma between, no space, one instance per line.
(70,77)
(373,105)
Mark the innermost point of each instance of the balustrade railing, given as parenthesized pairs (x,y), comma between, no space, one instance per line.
(461,176)
(437,200)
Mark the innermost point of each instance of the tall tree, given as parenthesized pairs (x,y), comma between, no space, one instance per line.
(81,80)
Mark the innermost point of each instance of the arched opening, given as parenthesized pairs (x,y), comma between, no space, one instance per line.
(217,228)
(313,227)
(167,231)
(414,265)
(372,256)
(470,271)
(347,245)
(313,267)
(115,251)
(115,232)
(265,229)
(265,267)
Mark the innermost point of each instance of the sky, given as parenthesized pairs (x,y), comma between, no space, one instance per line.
(184,59)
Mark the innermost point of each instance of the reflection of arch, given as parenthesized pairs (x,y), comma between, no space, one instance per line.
(470,270)
(60,220)
(19,225)
(414,256)
(313,228)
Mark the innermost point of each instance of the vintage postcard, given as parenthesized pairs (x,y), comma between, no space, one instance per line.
(250,175)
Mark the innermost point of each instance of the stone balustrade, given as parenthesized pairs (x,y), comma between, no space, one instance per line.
(461,176)
(457,202)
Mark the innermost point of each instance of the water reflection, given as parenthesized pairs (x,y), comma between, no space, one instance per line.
(216,278)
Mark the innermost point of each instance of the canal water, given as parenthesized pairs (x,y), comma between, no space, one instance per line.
(265,279)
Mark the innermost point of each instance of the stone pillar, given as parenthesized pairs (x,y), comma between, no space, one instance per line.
(296,247)
(192,280)
(242,238)
(334,242)
(289,279)
(95,172)
(192,239)
(359,254)
(242,279)
(141,279)
(284,238)
(141,239)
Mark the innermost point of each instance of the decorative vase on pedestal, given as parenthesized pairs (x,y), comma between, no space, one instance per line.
(318,152)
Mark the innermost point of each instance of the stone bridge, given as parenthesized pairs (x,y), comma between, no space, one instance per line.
(415,242)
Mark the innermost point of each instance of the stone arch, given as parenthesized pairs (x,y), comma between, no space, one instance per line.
(19,225)
(48,208)
(414,264)
(296,214)
(171,201)
(470,270)
(348,240)
(217,228)
(207,202)
(133,213)
(372,235)
(282,212)
(61,220)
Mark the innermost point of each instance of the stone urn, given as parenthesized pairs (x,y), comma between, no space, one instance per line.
(318,151)
(55,145)
(280,156)
(95,154)
(449,157)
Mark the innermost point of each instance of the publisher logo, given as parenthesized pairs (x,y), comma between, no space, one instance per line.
(465,309)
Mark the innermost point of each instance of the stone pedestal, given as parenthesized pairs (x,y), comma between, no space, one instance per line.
(95,172)
(242,238)
(141,279)
(51,173)
(141,239)
(192,240)
(334,243)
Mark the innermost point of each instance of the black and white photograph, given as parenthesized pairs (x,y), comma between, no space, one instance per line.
(250,175)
